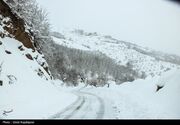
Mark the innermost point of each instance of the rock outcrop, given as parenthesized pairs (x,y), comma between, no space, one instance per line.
(15,26)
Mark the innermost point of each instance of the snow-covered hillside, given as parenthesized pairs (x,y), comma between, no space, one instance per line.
(122,52)
(26,87)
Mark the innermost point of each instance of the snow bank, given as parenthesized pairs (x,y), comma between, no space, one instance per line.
(169,95)
(140,99)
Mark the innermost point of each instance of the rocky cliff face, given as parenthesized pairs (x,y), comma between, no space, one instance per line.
(14,25)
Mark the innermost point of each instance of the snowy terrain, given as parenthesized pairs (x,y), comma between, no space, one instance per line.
(132,100)
(156,97)
(139,99)
(120,51)
(25,94)
(26,89)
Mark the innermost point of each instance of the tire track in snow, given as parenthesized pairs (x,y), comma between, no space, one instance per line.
(74,111)
(70,111)
(59,114)
(101,111)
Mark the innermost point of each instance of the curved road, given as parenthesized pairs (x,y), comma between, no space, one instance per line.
(87,106)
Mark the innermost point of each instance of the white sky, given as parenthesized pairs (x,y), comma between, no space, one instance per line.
(149,23)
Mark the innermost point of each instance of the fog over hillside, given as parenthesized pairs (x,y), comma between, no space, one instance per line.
(152,23)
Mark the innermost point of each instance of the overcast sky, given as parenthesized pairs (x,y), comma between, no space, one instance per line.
(149,23)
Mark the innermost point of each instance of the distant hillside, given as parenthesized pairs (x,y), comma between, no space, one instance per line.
(143,60)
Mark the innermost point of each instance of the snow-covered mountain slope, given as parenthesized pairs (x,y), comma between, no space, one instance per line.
(26,88)
(142,59)
(25,91)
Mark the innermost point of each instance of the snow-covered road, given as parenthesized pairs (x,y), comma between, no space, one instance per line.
(87,106)
(132,100)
